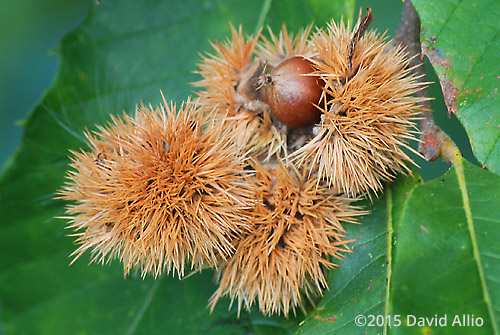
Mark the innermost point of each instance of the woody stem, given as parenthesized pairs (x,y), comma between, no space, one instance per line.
(433,139)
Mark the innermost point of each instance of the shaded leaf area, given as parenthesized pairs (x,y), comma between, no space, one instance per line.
(462,41)
(358,285)
(446,259)
(96,300)
(124,53)
(318,11)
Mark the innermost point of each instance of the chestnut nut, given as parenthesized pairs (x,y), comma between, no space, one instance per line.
(292,93)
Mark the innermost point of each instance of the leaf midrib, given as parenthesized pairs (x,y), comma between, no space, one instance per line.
(475,249)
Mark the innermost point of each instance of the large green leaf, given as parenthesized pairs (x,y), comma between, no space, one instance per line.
(461,38)
(447,254)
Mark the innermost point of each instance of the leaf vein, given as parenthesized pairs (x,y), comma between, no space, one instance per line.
(144,307)
(390,227)
(475,249)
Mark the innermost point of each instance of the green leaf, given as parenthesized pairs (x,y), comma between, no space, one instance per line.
(305,12)
(447,254)
(462,41)
(124,53)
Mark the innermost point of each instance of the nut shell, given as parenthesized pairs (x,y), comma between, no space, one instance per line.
(292,92)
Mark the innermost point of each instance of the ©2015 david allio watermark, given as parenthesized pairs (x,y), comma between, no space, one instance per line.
(457,320)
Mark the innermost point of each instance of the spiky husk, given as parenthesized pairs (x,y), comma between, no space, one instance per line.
(296,230)
(278,48)
(368,112)
(230,83)
(158,190)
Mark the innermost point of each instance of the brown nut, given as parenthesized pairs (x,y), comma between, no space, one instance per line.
(292,93)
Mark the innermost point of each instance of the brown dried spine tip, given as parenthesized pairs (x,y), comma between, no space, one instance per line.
(292,92)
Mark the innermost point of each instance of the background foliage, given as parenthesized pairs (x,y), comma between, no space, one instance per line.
(428,248)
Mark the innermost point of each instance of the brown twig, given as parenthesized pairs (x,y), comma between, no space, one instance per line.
(434,142)
(360,30)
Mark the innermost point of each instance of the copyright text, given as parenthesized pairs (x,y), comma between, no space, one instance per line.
(461,320)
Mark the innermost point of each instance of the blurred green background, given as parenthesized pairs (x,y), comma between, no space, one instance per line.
(30,29)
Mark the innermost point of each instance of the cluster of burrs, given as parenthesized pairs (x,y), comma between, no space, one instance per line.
(257,174)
